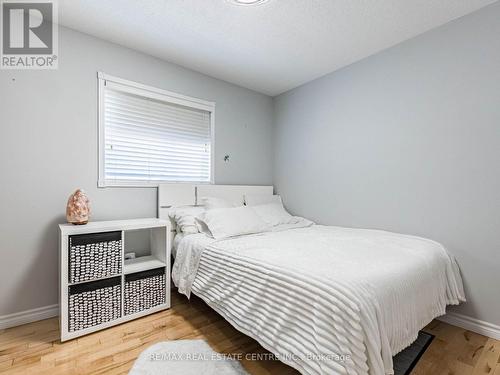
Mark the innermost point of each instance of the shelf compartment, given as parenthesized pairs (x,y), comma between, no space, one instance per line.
(94,256)
(142,264)
(144,290)
(94,303)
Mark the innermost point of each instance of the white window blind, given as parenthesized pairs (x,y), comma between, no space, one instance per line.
(152,137)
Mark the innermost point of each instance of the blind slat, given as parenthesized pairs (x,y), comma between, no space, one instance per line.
(151,149)
(131,128)
(169,120)
(116,95)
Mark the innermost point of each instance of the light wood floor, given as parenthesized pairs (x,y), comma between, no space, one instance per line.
(35,349)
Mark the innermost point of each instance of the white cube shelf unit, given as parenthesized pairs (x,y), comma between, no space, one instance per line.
(98,288)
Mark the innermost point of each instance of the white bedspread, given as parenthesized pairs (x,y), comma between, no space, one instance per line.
(325,300)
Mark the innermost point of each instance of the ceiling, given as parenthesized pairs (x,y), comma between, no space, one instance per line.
(270,48)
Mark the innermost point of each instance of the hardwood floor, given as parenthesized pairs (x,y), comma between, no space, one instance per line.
(35,348)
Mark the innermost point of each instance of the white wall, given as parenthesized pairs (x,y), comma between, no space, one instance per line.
(48,148)
(407,140)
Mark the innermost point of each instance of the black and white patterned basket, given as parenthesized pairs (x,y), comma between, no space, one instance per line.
(94,256)
(94,303)
(144,290)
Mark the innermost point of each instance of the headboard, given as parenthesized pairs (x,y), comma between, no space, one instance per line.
(170,195)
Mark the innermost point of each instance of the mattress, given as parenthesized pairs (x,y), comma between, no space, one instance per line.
(325,300)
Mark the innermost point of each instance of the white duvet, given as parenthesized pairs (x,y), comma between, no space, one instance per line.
(325,300)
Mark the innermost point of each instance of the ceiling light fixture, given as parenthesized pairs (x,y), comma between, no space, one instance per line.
(248,2)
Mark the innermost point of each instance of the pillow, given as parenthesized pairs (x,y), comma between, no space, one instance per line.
(274,214)
(212,203)
(184,217)
(259,199)
(230,222)
(202,227)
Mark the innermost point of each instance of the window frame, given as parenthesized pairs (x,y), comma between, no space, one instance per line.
(157,94)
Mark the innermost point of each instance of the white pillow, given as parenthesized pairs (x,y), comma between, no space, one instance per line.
(230,222)
(274,214)
(259,199)
(202,227)
(212,203)
(185,218)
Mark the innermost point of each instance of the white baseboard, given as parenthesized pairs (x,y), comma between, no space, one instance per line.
(471,324)
(28,316)
(46,312)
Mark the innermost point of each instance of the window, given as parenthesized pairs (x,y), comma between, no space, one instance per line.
(148,135)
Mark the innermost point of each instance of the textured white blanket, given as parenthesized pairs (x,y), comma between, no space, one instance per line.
(325,300)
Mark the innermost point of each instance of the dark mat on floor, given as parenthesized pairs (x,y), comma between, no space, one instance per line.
(406,360)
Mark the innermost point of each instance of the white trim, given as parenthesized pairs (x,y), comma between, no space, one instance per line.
(151,184)
(127,183)
(154,93)
(28,316)
(212,146)
(100,133)
(475,325)
(161,94)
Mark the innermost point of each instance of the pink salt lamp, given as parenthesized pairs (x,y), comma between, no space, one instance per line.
(78,208)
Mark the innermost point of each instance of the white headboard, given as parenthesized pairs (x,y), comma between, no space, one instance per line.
(170,195)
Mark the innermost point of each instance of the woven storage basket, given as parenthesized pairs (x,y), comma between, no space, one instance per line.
(144,290)
(94,303)
(94,256)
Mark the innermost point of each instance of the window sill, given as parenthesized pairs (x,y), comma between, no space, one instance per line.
(145,184)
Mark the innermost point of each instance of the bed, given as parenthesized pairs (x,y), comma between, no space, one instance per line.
(323,299)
